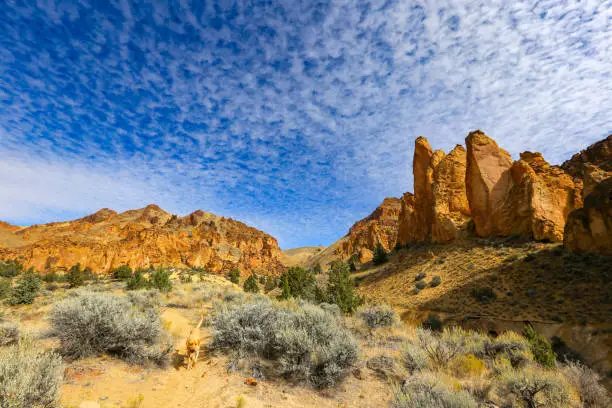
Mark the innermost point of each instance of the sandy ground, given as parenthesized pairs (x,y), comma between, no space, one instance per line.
(107,382)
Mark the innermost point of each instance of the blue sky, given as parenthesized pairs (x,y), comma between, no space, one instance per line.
(297,117)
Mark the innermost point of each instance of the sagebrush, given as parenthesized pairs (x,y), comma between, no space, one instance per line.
(308,343)
(95,323)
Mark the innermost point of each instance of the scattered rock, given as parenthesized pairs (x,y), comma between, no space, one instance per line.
(250,381)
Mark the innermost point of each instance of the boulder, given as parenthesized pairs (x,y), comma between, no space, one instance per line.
(589,229)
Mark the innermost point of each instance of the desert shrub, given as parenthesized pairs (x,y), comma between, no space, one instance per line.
(145,299)
(540,348)
(26,289)
(376,316)
(9,334)
(160,280)
(428,393)
(587,382)
(308,343)
(270,284)
(533,387)
(340,289)
(262,279)
(185,278)
(250,285)
(432,322)
(415,291)
(331,308)
(29,377)
(5,287)
(10,268)
(380,255)
(563,351)
(510,346)
(122,272)
(443,347)
(420,275)
(75,276)
(467,365)
(51,276)
(420,285)
(298,283)
(484,294)
(234,276)
(435,281)
(414,358)
(317,269)
(95,323)
(137,281)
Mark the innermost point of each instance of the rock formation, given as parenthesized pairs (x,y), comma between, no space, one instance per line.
(589,229)
(141,238)
(598,154)
(451,211)
(592,176)
(378,227)
(488,181)
(438,210)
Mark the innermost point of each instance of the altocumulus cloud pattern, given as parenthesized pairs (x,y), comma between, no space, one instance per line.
(297,117)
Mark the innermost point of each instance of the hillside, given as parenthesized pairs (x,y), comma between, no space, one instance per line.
(500,284)
(144,237)
(299,256)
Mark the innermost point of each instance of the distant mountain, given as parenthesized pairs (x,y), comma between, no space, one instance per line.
(144,237)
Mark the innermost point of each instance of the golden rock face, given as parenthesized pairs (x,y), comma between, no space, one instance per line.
(378,227)
(147,237)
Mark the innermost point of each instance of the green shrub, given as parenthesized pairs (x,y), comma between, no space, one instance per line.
(75,276)
(122,272)
(432,322)
(10,268)
(262,280)
(145,299)
(160,280)
(435,281)
(429,393)
(51,276)
(533,387)
(9,334)
(26,288)
(300,284)
(317,270)
(420,275)
(29,377)
(250,285)
(420,285)
(540,347)
(375,316)
(271,284)
(484,294)
(5,287)
(307,343)
(96,323)
(380,255)
(340,289)
(234,276)
(137,281)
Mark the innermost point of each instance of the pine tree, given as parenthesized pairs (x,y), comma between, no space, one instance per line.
(340,289)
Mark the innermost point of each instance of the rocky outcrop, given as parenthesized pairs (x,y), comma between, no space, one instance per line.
(451,211)
(407,218)
(528,197)
(142,238)
(591,176)
(438,210)
(598,154)
(379,227)
(589,229)
(488,181)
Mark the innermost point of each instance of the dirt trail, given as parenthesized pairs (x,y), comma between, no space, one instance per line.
(106,382)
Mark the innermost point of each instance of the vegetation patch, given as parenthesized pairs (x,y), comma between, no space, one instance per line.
(95,323)
(306,342)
